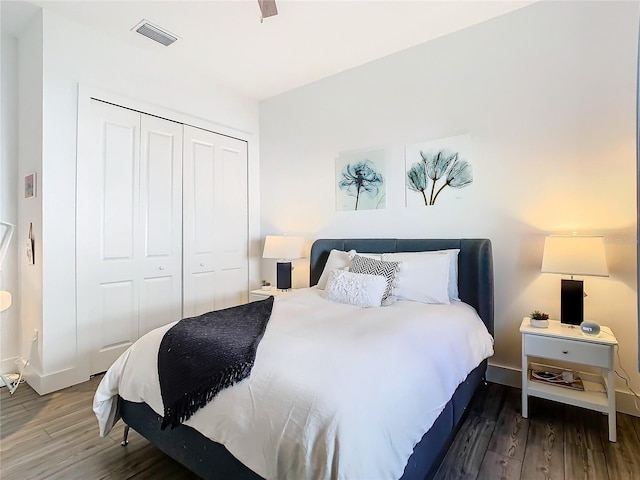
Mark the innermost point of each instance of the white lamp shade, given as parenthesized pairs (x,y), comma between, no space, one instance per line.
(575,255)
(5,300)
(283,247)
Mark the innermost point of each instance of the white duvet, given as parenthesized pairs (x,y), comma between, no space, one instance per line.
(337,391)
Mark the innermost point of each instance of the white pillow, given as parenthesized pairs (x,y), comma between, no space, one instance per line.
(453,273)
(423,278)
(338,260)
(357,289)
(373,256)
(452,253)
(371,266)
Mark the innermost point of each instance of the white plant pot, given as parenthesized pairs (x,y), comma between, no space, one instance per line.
(539,323)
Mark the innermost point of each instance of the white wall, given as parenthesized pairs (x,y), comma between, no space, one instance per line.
(547,95)
(30,161)
(74,55)
(9,319)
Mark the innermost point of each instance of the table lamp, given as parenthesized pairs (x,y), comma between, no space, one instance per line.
(582,255)
(285,249)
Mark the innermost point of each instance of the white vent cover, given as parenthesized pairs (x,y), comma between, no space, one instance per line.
(155,33)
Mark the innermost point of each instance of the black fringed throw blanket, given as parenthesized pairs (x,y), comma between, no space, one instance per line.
(201,356)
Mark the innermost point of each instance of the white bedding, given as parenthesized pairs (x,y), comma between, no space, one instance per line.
(337,391)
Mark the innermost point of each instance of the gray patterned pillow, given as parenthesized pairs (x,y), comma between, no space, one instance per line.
(386,269)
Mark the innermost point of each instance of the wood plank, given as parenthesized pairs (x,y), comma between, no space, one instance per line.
(47,460)
(622,457)
(585,464)
(465,456)
(116,461)
(55,437)
(583,428)
(635,421)
(488,401)
(499,467)
(509,438)
(544,455)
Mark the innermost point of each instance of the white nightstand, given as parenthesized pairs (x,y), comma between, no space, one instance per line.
(260,294)
(560,342)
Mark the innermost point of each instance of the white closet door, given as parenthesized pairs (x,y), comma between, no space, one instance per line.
(107,233)
(161,223)
(215,221)
(129,229)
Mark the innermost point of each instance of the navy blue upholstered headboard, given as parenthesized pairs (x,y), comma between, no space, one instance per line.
(475,263)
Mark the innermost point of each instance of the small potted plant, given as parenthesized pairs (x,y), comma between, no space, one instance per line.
(539,319)
(266,285)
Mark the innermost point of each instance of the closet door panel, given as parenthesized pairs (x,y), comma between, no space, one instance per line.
(117,167)
(215,221)
(232,191)
(202,194)
(231,197)
(199,222)
(155,302)
(118,327)
(107,229)
(161,220)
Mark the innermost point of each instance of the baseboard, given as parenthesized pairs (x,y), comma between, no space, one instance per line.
(52,382)
(512,377)
(509,376)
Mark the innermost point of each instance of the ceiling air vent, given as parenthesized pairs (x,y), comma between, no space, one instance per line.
(155,33)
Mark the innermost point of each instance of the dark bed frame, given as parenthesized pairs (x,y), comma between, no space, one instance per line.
(211,460)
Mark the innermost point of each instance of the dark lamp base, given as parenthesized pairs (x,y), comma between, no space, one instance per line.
(572,302)
(283,275)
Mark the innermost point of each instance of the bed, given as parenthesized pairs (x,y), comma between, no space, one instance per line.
(210,459)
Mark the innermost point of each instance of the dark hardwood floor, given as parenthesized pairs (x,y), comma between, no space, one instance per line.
(56,437)
(556,442)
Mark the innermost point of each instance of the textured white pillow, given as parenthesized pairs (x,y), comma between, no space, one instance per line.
(337,260)
(388,270)
(423,278)
(357,289)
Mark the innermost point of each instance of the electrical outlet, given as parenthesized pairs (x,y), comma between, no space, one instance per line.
(34,338)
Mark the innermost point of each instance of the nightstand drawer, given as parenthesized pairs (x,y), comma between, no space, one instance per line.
(569,350)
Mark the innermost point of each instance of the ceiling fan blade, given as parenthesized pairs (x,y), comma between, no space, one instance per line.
(268,8)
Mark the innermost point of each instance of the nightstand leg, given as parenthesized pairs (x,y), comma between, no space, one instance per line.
(611,395)
(525,380)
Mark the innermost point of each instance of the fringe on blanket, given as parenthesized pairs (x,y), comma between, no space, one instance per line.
(184,408)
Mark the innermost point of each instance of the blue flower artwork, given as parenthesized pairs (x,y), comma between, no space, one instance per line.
(436,169)
(360,182)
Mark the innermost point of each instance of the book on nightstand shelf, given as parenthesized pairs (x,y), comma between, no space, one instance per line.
(558,377)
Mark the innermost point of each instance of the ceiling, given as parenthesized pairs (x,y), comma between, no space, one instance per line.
(308,40)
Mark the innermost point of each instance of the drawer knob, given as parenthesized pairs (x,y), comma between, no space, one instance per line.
(565,351)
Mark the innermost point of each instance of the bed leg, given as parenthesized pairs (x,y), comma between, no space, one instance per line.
(125,440)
